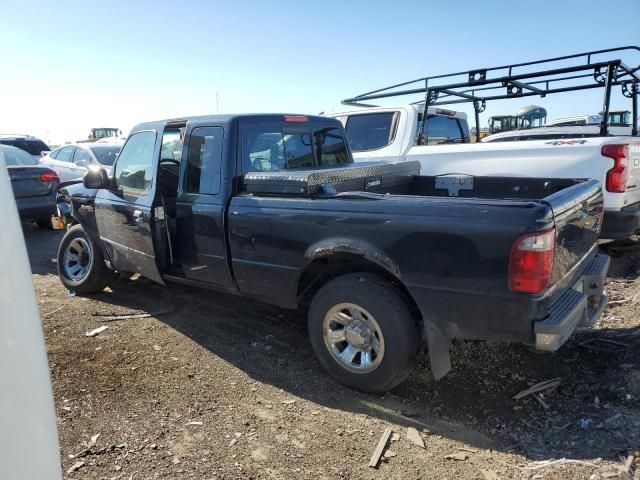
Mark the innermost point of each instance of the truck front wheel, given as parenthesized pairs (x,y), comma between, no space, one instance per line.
(362,332)
(81,266)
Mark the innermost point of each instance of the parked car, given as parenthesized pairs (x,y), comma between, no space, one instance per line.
(34,186)
(271,207)
(28,436)
(71,162)
(30,144)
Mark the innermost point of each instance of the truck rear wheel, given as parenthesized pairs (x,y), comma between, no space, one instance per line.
(363,333)
(81,266)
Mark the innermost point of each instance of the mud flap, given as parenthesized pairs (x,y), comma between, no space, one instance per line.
(438,345)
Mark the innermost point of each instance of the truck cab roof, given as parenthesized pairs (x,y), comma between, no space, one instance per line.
(228,119)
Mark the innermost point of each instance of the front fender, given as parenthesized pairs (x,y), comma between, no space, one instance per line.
(76,204)
(352,246)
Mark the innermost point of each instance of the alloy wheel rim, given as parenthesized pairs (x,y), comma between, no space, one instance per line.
(353,337)
(77,259)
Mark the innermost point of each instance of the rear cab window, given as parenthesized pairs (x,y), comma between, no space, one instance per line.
(275,148)
(371,131)
(440,129)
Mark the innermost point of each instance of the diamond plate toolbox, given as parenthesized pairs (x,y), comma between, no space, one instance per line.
(361,177)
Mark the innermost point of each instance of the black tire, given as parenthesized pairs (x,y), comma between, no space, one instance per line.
(44,223)
(398,328)
(97,276)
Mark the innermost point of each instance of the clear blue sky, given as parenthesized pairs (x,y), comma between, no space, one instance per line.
(68,66)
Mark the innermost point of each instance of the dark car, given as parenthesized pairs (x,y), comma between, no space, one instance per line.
(271,207)
(34,186)
(30,144)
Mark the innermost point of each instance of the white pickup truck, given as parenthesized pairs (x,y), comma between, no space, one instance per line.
(598,152)
(613,160)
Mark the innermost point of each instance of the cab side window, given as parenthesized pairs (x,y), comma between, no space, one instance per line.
(81,155)
(134,167)
(205,158)
(64,154)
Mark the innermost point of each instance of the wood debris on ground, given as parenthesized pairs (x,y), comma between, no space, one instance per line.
(382,444)
(75,466)
(489,474)
(414,437)
(538,387)
(97,331)
(113,318)
(458,456)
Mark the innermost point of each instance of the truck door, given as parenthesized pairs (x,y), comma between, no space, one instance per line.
(200,208)
(124,212)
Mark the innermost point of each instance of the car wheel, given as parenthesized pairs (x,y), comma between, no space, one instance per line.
(44,223)
(363,333)
(81,266)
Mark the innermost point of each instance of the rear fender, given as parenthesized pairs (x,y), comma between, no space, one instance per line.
(352,246)
(437,341)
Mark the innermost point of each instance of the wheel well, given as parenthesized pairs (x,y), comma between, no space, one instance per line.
(322,270)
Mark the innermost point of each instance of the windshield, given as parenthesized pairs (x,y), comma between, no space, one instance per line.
(106,155)
(15,157)
(34,147)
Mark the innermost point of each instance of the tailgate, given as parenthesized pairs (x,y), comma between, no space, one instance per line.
(577,213)
(632,194)
(25,181)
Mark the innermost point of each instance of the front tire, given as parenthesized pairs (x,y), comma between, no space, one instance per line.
(81,266)
(363,333)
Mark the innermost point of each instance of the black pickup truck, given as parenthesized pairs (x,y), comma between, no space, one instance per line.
(272,207)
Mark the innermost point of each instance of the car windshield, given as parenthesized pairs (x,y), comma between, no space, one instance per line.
(14,157)
(34,147)
(107,154)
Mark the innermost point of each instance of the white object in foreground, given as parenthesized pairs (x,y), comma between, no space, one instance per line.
(28,436)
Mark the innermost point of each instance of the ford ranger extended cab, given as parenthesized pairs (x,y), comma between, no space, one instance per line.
(605,152)
(272,208)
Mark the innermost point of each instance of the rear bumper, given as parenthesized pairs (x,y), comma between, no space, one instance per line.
(33,208)
(622,223)
(581,305)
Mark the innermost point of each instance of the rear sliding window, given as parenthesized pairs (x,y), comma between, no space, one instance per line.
(439,130)
(370,131)
(268,149)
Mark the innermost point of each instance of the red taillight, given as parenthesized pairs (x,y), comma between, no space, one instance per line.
(617,176)
(531,262)
(48,177)
(296,119)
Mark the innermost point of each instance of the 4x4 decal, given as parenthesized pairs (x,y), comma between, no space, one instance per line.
(567,142)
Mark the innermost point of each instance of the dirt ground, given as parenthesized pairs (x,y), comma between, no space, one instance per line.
(223,388)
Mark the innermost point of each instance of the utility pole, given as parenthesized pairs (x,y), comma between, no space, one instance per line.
(217,103)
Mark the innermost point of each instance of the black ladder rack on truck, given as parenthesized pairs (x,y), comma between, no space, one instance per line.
(514,81)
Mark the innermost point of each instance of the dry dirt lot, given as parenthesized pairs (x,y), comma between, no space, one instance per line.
(224,388)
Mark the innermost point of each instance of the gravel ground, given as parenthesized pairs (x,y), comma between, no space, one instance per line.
(218,387)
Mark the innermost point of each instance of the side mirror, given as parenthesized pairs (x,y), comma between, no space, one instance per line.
(96,178)
(82,163)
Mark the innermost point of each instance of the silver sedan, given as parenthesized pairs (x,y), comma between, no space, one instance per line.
(71,162)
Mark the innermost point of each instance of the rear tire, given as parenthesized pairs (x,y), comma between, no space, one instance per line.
(365,314)
(81,266)
(44,223)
